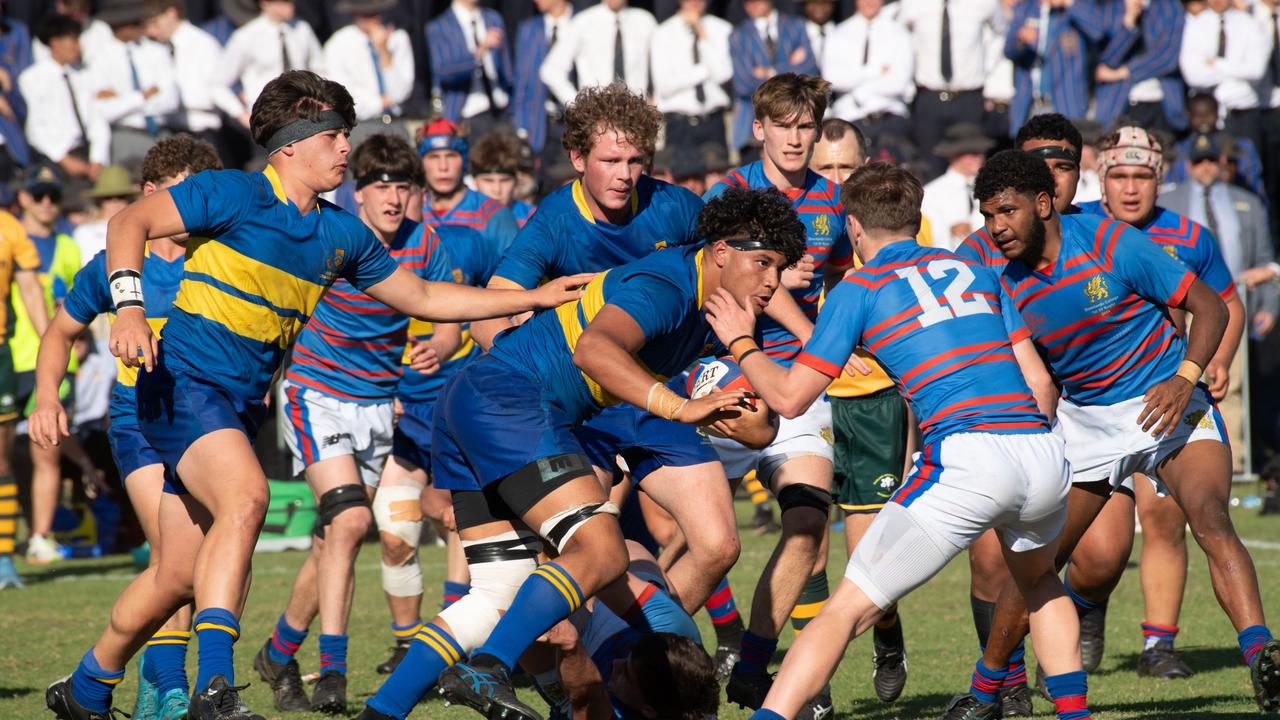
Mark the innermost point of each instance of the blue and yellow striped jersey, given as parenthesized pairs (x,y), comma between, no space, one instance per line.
(661,292)
(255,270)
(90,297)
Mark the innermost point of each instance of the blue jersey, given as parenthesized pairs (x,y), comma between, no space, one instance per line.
(481,213)
(90,296)
(1100,314)
(1188,241)
(818,205)
(351,347)
(937,323)
(255,270)
(662,293)
(522,212)
(564,238)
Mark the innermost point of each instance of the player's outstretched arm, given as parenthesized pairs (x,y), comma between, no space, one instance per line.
(48,423)
(605,353)
(1167,400)
(788,391)
(485,331)
(154,216)
(450,302)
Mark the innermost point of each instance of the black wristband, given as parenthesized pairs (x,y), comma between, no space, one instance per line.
(744,355)
(740,337)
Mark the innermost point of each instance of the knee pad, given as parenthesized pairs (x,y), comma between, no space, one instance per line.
(335,502)
(806,496)
(499,566)
(559,528)
(397,512)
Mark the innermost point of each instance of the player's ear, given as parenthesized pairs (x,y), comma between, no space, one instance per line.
(757,129)
(720,252)
(1044,205)
(578,160)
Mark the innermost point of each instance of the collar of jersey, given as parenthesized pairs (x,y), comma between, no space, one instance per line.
(697,263)
(278,187)
(580,199)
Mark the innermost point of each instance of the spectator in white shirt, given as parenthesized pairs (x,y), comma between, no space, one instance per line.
(64,123)
(1225,52)
(268,45)
(869,62)
(604,42)
(94,33)
(948,200)
(819,26)
(134,81)
(951,65)
(691,64)
(196,56)
(111,193)
(373,60)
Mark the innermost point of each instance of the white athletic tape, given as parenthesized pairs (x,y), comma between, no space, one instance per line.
(398,513)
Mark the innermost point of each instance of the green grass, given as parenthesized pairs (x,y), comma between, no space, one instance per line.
(45,628)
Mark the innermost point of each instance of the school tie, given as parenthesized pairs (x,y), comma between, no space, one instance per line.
(1210,218)
(483,72)
(770,43)
(1275,46)
(75,107)
(698,91)
(153,127)
(619,63)
(945,66)
(866,47)
(284,53)
(1222,36)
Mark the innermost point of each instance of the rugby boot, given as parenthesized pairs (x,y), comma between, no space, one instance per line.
(889,673)
(1162,661)
(819,708)
(748,690)
(762,522)
(147,704)
(1015,701)
(9,577)
(1040,686)
(484,686)
(398,651)
(1264,671)
(368,713)
(726,657)
(1093,626)
(174,705)
(330,694)
(220,701)
(968,707)
(285,681)
(57,697)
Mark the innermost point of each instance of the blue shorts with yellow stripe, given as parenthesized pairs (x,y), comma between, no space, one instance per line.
(492,420)
(176,409)
(412,439)
(645,442)
(129,448)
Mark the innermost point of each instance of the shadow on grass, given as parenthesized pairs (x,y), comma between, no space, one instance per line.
(7,693)
(927,705)
(1186,707)
(71,568)
(1201,659)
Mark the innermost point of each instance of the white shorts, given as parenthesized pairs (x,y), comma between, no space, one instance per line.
(317,427)
(957,490)
(1105,442)
(809,434)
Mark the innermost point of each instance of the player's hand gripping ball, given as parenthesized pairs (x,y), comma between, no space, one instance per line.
(719,374)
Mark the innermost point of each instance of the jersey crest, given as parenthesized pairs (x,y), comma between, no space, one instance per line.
(1096,289)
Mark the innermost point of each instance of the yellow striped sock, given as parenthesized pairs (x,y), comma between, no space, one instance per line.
(170,637)
(755,489)
(8,515)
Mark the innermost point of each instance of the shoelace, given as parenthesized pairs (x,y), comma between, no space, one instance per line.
(229,699)
(889,657)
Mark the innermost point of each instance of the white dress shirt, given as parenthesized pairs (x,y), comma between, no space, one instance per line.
(820,39)
(350,59)
(51,118)
(884,82)
(767,26)
(1227,218)
(676,76)
(554,27)
(948,201)
(1234,78)
(253,56)
(113,71)
(588,48)
(477,102)
(1269,89)
(94,35)
(196,57)
(967,19)
(999,84)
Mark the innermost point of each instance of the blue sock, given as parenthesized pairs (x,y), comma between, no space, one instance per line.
(657,612)
(766,714)
(453,592)
(546,597)
(91,686)
(431,652)
(1252,639)
(1069,692)
(217,630)
(985,684)
(165,660)
(1083,604)
(755,654)
(285,641)
(1017,673)
(333,654)
(405,633)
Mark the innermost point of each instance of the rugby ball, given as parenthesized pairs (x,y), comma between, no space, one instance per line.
(722,373)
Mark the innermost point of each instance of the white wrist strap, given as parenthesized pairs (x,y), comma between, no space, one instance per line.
(126,289)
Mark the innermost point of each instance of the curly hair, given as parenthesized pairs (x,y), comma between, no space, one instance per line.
(1012,170)
(497,152)
(883,196)
(597,110)
(765,216)
(297,94)
(1050,126)
(390,154)
(789,95)
(676,677)
(175,155)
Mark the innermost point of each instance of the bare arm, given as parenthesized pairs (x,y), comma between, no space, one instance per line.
(32,295)
(154,216)
(484,331)
(1218,371)
(48,423)
(786,312)
(427,356)
(1166,401)
(1037,377)
(450,302)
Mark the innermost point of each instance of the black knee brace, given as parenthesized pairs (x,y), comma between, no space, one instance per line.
(808,496)
(337,501)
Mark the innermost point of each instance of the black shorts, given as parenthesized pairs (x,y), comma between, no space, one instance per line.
(511,497)
(870,449)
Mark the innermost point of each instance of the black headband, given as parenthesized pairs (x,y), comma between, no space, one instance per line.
(382,177)
(1054,152)
(303,128)
(747,244)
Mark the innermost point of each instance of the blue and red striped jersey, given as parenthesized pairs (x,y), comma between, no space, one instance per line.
(939,325)
(1188,241)
(351,347)
(818,205)
(495,223)
(1100,314)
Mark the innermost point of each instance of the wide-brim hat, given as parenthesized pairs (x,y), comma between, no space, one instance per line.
(963,139)
(365,7)
(116,13)
(113,181)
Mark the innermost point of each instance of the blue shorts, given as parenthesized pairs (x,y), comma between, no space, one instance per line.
(129,448)
(492,420)
(412,438)
(646,442)
(175,410)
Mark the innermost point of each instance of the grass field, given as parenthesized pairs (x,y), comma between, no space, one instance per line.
(47,626)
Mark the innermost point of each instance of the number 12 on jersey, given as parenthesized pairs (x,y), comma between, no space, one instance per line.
(957,306)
